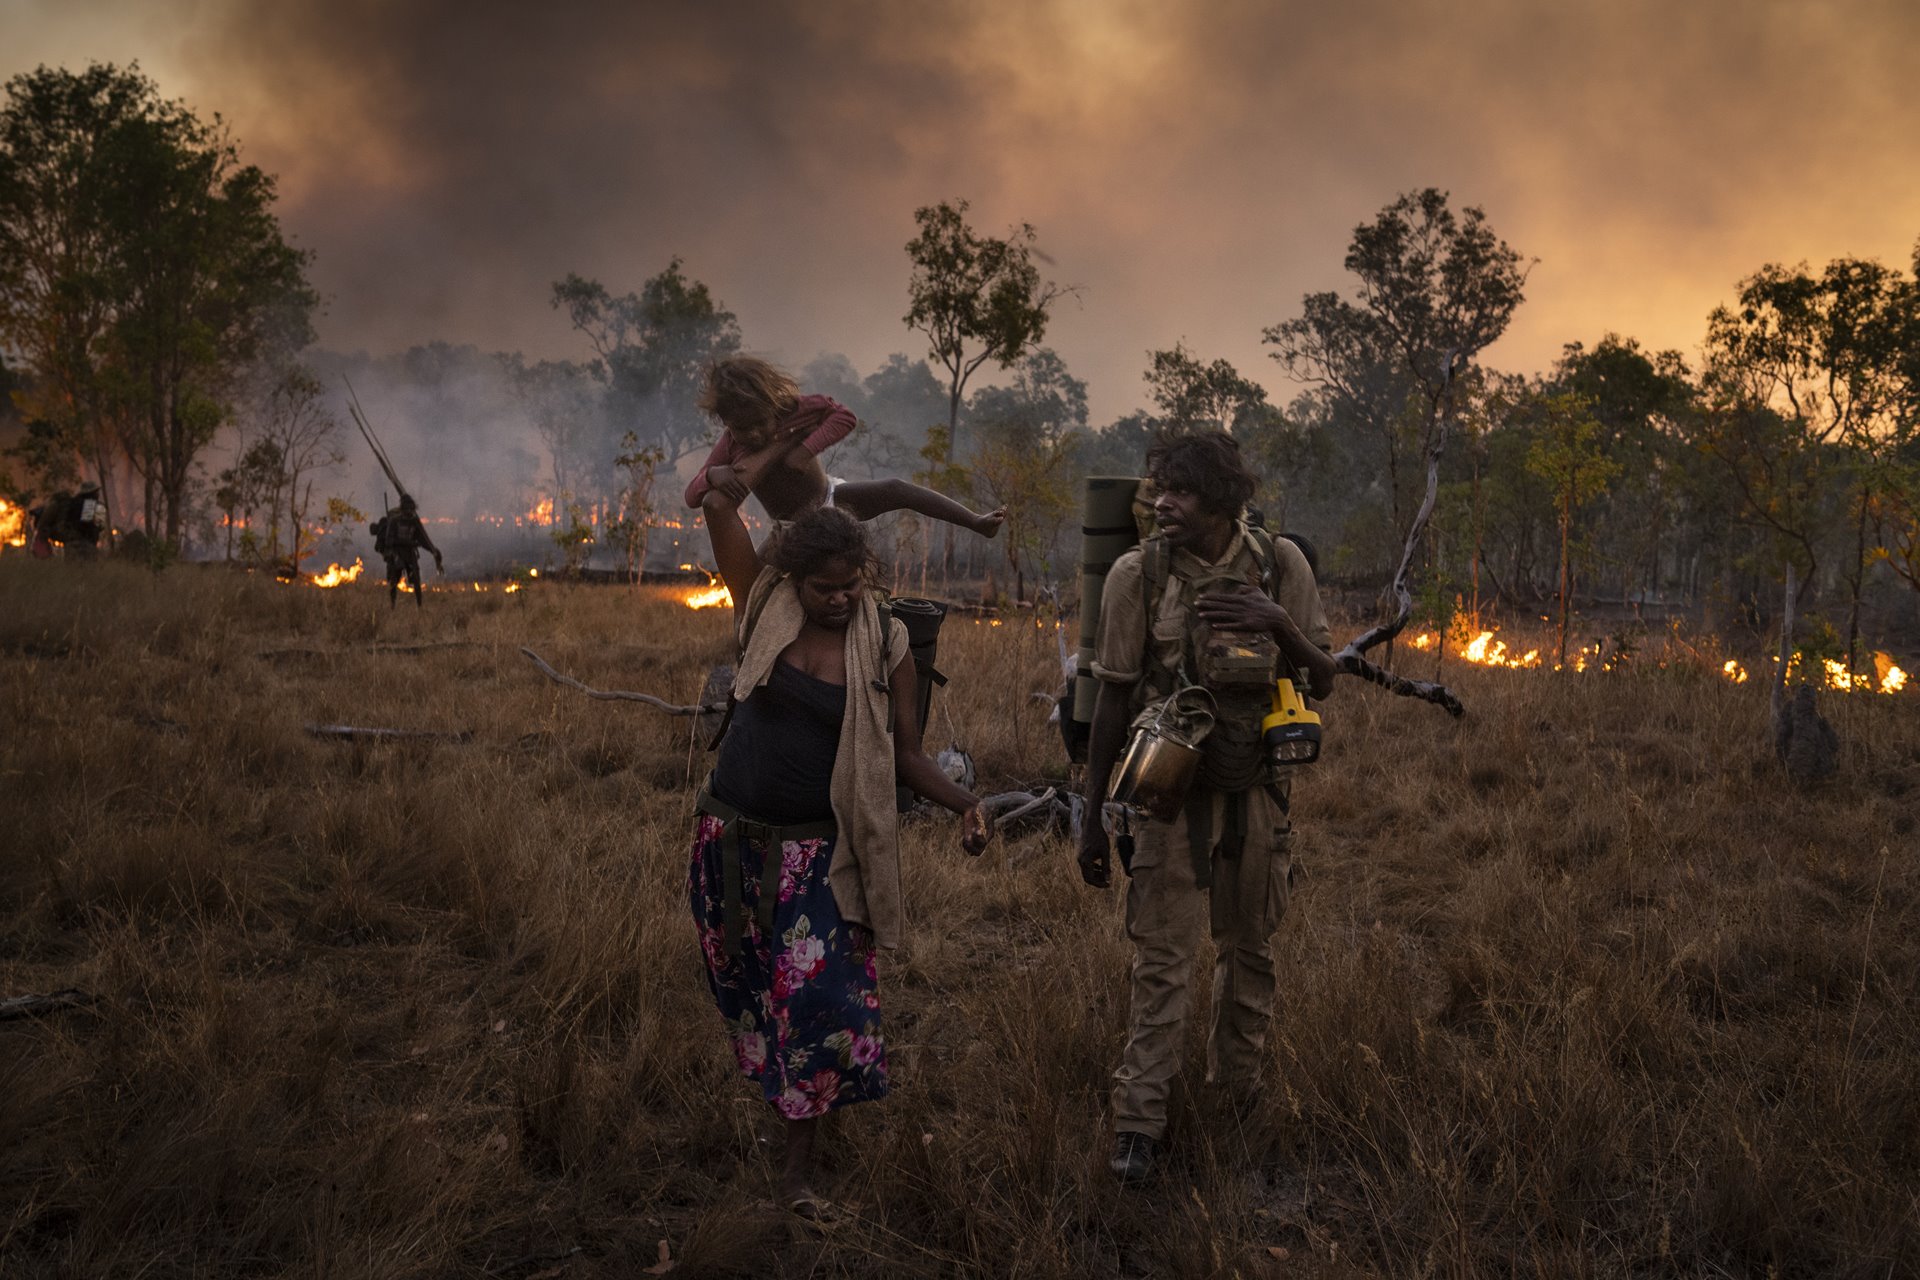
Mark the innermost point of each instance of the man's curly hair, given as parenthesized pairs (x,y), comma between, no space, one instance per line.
(1206,464)
(824,534)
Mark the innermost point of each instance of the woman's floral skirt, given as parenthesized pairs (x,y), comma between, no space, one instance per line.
(802,1006)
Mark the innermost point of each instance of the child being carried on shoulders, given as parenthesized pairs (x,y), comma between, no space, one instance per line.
(771,443)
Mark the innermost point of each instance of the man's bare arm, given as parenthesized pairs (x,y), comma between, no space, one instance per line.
(1104,743)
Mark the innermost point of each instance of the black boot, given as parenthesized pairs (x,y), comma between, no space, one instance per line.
(1135,1157)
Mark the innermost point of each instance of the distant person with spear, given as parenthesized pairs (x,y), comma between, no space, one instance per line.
(398,536)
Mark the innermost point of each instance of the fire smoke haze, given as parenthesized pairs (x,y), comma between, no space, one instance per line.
(1197,167)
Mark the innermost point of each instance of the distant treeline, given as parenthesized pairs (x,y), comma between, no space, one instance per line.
(168,359)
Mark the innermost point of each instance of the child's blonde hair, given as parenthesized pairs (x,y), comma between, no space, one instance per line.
(748,395)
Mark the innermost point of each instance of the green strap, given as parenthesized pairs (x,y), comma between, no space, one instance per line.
(736,831)
(730,874)
(1156,564)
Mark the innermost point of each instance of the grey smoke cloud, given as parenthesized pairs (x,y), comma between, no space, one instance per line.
(1197,167)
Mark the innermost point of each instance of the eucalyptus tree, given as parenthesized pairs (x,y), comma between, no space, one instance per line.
(1030,433)
(142,272)
(977,299)
(651,352)
(1811,389)
(1434,290)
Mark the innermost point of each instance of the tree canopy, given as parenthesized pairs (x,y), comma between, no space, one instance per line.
(142,271)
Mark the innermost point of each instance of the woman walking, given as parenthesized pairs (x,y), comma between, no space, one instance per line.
(795,875)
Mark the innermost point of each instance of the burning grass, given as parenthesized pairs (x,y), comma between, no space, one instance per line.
(1573,986)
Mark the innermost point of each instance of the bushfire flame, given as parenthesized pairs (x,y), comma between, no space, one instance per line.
(1487,651)
(713,594)
(1484,650)
(13,525)
(335,575)
(708,597)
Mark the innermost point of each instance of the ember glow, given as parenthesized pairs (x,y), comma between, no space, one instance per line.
(13,525)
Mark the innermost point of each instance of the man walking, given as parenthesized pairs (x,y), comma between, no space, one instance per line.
(1214,603)
(399,538)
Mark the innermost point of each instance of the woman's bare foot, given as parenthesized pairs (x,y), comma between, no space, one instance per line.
(809,1206)
(796,1171)
(988,525)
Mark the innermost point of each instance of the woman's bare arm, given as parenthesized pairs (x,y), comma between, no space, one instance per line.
(920,774)
(733,548)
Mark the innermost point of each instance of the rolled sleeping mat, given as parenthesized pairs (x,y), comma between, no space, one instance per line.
(1107,529)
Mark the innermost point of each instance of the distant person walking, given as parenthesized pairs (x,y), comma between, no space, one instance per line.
(399,536)
(770,444)
(795,870)
(1223,862)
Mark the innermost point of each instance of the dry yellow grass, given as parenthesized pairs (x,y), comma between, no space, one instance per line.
(1575,986)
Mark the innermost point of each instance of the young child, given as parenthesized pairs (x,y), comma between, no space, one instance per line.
(771,444)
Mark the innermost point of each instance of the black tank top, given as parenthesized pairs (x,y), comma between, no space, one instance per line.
(776,762)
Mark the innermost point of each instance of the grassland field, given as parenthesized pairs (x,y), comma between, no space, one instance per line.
(1577,985)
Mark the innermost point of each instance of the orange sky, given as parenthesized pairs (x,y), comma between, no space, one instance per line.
(1194,167)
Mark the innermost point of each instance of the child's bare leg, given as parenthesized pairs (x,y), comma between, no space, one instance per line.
(869,498)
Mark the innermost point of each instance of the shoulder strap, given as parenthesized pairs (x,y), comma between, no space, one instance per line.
(1156,563)
(756,605)
(1156,567)
(884,606)
(1262,544)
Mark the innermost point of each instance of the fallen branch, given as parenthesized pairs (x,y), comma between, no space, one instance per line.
(372,648)
(32,1006)
(356,734)
(1353,664)
(671,708)
(1011,806)
(422,648)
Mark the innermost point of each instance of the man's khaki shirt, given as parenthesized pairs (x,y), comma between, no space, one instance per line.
(1126,645)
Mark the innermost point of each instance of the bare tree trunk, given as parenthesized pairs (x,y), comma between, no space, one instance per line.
(1566,526)
(1856,578)
(1401,595)
(1786,647)
(1479,538)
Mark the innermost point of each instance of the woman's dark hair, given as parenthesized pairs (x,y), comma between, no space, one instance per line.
(804,547)
(1206,464)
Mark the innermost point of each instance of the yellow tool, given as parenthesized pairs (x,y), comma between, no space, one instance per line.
(1291,732)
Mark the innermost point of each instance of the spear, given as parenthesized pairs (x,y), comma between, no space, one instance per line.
(360,420)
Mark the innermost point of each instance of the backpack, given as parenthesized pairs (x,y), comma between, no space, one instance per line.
(1239,672)
(1156,569)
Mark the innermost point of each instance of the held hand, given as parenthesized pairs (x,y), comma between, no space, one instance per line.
(976,829)
(439,565)
(728,481)
(1096,867)
(1241,609)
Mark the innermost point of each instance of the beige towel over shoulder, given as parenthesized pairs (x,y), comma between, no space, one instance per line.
(865,873)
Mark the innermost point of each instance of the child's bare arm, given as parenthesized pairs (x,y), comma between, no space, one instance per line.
(753,467)
(723,450)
